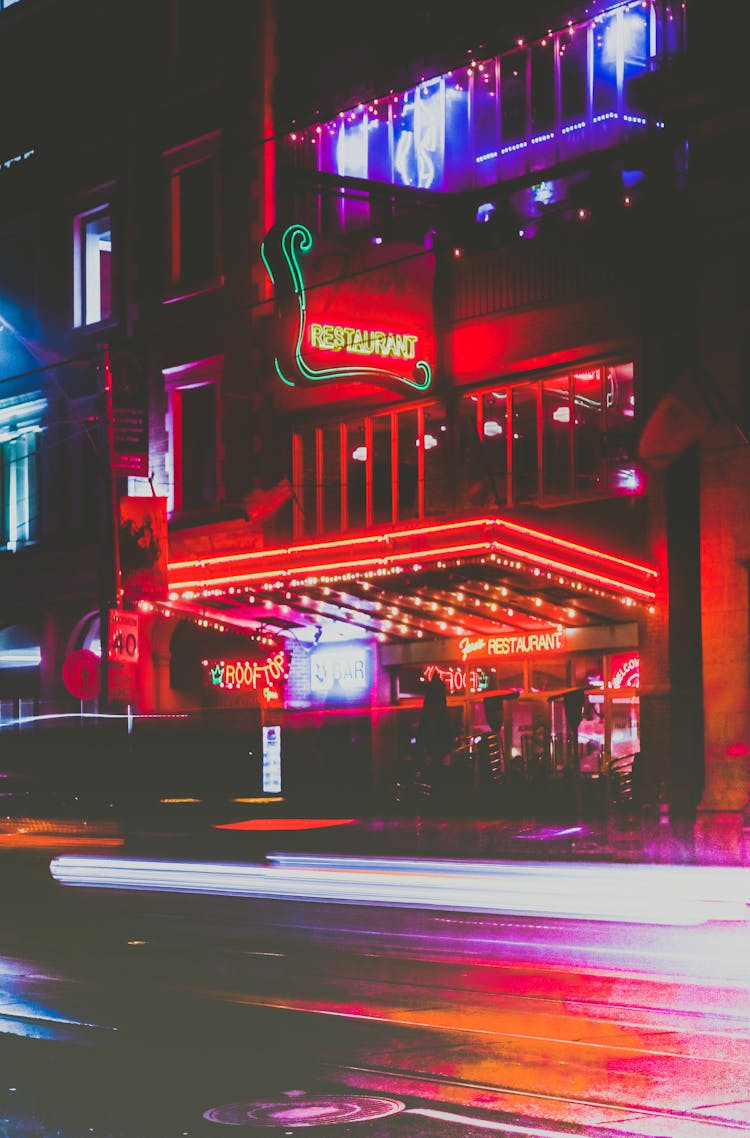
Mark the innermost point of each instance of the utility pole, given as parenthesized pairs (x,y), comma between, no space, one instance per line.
(110,575)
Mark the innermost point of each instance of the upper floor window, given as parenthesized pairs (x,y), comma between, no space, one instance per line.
(194,262)
(538,104)
(564,437)
(373,470)
(545,441)
(20,427)
(92,267)
(192,427)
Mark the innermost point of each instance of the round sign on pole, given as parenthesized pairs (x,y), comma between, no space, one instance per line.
(82,674)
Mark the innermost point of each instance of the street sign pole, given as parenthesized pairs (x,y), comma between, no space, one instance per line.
(111,571)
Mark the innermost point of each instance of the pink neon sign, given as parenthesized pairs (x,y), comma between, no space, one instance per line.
(625,670)
(457,678)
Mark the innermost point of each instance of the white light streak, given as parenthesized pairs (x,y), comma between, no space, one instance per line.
(637,894)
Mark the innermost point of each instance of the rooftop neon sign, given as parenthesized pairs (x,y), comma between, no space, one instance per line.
(247,675)
(282,257)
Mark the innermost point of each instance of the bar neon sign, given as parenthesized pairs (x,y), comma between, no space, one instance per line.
(526,644)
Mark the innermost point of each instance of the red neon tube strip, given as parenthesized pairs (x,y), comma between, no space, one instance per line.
(416,531)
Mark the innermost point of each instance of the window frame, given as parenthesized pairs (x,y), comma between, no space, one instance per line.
(202,151)
(207,372)
(81,268)
(20,418)
(505,482)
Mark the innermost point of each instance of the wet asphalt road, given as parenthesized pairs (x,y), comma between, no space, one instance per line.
(112,1025)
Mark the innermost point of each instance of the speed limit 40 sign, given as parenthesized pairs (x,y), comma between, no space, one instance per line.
(123,636)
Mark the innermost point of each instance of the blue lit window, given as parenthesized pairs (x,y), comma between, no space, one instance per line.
(380,168)
(486,123)
(351,145)
(20,426)
(513,100)
(607,48)
(526,109)
(455,153)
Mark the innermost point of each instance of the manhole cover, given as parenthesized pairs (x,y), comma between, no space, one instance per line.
(305,1110)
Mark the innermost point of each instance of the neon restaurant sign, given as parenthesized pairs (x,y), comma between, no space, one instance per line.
(336,311)
(526,644)
(262,677)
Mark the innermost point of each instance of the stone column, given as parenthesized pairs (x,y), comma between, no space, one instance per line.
(725,550)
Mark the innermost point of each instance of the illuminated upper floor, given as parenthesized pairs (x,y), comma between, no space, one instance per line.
(525,110)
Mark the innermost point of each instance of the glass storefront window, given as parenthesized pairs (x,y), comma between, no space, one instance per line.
(542,87)
(607,48)
(670,29)
(573,80)
(351,145)
(356,475)
(625,739)
(588,671)
(557,429)
(486,123)
(524,448)
(636,24)
(436,446)
(513,98)
(542,150)
(407,458)
(430,131)
(457,142)
(404,153)
(622,476)
(417,463)
(332,480)
(591,734)
(306,480)
(558,736)
(464,129)
(469,475)
(382,479)
(379,164)
(494,434)
(529,747)
(549,675)
(587,433)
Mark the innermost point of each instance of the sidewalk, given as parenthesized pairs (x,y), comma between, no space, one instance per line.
(523,839)
(249,834)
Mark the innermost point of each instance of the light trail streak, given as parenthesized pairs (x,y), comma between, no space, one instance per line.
(656,895)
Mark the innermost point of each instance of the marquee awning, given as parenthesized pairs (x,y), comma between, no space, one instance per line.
(477,576)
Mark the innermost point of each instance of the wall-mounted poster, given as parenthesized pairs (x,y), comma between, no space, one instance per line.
(271,760)
(143,548)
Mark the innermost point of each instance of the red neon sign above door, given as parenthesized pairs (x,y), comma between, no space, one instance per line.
(521,644)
